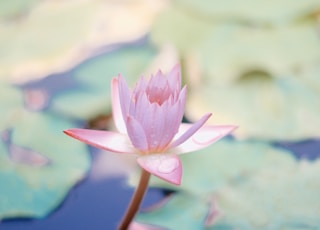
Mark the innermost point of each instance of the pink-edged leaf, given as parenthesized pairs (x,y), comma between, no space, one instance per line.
(36,99)
(183,136)
(139,226)
(166,166)
(110,141)
(137,134)
(116,107)
(27,156)
(214,213)
(204,137)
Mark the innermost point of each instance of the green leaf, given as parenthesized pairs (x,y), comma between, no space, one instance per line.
(38,165)
(180,211)
(165,30)
(259,12)
(231,51)
(93,96)
(11,102)
(286,198)
(209,169)
(262,106)
(57,35)
(249,186)
(245,73)
(12,9)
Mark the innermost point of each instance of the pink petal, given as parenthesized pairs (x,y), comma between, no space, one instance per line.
(139,107)
(158,89)
(182,103)
(183,136)
(156,129)
(166,125)
(172,117)
(166,166)
(157,80)
(174,78)
(141,85)
(116,107)
(110,141)
(137,134)
(147,116)
(124,96)
(204,137)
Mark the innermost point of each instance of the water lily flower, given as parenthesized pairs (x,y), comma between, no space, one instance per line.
(149,123)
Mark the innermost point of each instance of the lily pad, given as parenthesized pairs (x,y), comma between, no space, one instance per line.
(239,50)
(36,169)
(11,102)
(32,186)
(57,35)
(93,94)
(180,211)
(227,161)
(274,199)
(263,12)
(263,106)
(247,73)
(249,185)
(13,9)
(224,51)
(165,30)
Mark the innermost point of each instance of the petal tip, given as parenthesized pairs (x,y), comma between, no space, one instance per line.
(208,115)
(70,132)
(230,129)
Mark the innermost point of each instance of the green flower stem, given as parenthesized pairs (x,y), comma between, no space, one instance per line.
(136,200)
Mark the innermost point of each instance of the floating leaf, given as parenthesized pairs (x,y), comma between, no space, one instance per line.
(139,226)
(165,30)
(21,155)
(262,12)
(36,99)
(93,96)
(226,161)
(57,35)
(31,187)
(13,9)
(239,50)
(274,199)
(11,102)
(263,106)
(180,211)
(248,73)
(249,185)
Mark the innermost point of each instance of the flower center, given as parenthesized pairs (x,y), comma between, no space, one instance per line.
(158,94)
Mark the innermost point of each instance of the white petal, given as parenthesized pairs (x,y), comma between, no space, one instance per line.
(192,129)
(204,137)
(116,107)
(111,141)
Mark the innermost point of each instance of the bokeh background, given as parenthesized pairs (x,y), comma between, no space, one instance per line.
(255,64)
